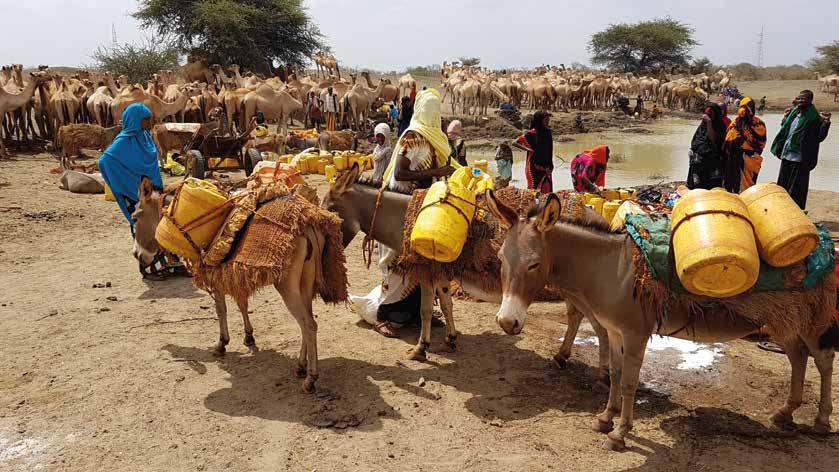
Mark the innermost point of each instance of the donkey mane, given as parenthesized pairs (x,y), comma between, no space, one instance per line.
(595,225)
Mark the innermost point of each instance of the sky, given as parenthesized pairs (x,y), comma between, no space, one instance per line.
(394,34)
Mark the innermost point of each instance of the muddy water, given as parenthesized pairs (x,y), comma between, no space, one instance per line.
(662,156)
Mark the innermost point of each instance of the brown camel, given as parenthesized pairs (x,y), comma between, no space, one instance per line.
(10,102)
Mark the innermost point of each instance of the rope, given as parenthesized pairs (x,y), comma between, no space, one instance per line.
(367,243)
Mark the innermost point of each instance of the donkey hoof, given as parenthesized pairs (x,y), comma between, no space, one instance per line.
(309,384)
(821,428)
(783,421)
(418,354)
(614,443)
(561,361)
(451,343)
(603,426)
(300,372)
(249,340)
(219,350)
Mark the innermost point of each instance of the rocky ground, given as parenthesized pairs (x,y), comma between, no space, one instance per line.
(102,371)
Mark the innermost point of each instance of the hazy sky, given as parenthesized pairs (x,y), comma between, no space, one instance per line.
(396,33)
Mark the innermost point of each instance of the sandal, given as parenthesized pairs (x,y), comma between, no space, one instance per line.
(771,347)
(385,329)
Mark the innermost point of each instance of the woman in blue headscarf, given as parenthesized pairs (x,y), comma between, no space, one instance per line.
(131,157)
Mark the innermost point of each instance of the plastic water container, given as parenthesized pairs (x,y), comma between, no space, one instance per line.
(610,195)
(481,164)
(785,235)
(199,209)
(340,163)
(597,204)
(610,208)
(109,196)
(473,179)
(714,244)
(329,171)
(442,227)
(588,196)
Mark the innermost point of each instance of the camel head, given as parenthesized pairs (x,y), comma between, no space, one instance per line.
(39,77)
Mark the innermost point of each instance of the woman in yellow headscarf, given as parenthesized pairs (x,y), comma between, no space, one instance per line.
(422,152)
(421,155)
(744,142)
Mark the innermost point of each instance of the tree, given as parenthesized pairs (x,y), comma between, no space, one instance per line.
(252,33)
(137,61)
(643,46)
(700,65)
(827,61)
(469,61)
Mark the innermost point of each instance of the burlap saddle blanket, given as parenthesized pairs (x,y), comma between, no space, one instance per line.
(255,245)
(790,300)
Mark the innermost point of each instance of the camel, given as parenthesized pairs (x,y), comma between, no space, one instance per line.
(64,104)
(10,102)
(406,83)
(274,105)
(99,106)
(197,70)
(162,109)
(358,101)
(488,93)
(18,121)
(388,93)
(595,268)
(326,63)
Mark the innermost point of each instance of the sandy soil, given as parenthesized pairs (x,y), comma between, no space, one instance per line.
(121,377)
(780,93)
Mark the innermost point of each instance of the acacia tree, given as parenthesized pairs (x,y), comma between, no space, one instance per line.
(643,46)
(470,61)
(827,61)
(251,33)
(136,61)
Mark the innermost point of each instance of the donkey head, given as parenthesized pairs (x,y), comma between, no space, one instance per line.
(146,218)
(335,202)
(525,261)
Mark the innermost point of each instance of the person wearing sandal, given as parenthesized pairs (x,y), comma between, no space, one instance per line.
(132,156)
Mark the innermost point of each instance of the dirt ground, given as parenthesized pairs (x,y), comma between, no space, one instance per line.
(121,377)
(780,93)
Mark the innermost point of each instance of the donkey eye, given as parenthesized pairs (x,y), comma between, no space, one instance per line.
(534,266)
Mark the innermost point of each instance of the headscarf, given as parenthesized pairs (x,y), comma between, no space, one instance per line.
(599,156)
(808,117)
(382,152)
(717,129)
(747,132)
(426,121)
(129,158)
(384,129)
(455,129)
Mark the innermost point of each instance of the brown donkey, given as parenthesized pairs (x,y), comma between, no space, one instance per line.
(355,202)
(303,274)
(596,268)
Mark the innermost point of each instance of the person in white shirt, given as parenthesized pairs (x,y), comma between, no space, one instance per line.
(330,107)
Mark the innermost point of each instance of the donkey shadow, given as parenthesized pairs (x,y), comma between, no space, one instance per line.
(719,439)
(505,381)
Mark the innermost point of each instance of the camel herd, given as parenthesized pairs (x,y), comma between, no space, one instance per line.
(36,105)
(472,90)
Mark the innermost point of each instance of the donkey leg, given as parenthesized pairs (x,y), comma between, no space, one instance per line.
(575,317)
(419,352)
(246,320)
(221,312)
(633,357)
(445,295)
(797,356)
(604,422)
(603,347)
(824,362)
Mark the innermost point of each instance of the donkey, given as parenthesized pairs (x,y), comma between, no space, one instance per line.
(297,288)
(355,204)
(596,268)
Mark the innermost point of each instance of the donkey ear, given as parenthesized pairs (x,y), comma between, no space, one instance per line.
(506,215)
(549,215)
(146,189)
(346,179)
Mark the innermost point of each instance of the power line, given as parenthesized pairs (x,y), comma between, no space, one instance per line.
(113,34)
